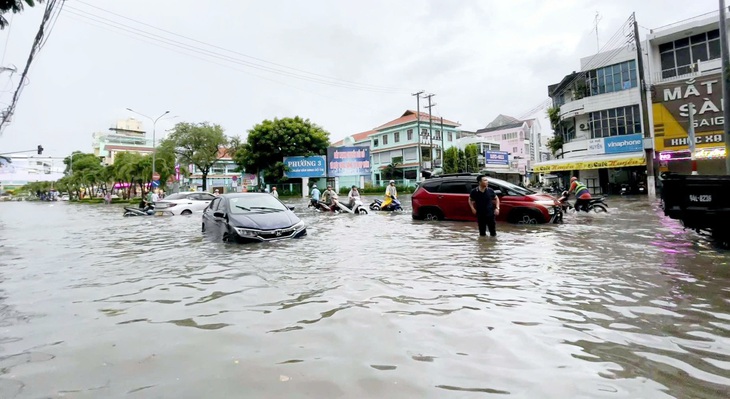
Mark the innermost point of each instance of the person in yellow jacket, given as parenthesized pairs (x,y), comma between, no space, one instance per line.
(391,193)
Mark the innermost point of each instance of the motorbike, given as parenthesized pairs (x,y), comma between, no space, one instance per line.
(625,189)
(320,206)
(377,204)
(597,205)
(148,210)
(357,208)
(641,188)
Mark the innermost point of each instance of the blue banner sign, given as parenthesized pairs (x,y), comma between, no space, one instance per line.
(348,161)
(626,143)
(315,166)
(496,157)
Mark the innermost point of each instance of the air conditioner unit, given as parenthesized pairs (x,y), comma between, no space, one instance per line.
(583,126)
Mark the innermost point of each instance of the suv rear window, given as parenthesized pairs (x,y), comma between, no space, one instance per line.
(431,186)
(454,187)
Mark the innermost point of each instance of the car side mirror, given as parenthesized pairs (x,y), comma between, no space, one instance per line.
(221,215)
(291,208)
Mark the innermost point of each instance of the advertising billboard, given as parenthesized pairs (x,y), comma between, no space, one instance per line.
(348,161)
(626,143)
(496,157)
(297,167)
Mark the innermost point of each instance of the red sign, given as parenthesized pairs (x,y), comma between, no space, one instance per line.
(234,178)
(155,176)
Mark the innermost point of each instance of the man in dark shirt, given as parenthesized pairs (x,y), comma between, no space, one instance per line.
(484,203)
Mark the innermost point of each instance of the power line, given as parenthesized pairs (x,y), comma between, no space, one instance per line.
(314,77)
(10,30)
(8,112)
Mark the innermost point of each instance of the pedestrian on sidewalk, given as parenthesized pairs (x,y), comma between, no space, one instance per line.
(274,192)
(484,203)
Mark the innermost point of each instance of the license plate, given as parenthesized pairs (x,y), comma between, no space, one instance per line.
(159,213)
(700,198)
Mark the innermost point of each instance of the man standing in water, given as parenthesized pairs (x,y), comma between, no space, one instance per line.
(484,203)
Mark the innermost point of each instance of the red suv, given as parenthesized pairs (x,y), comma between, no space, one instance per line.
(447,197)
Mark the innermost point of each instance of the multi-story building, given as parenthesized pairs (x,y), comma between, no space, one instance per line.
(126,135)
(220,176)
(514,136)
(600,123)
(398,142)
(684,60)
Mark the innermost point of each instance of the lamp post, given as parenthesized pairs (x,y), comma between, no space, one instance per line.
(154,122)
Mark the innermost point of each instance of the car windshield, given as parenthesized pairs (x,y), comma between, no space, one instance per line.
(255,203)
(176,196)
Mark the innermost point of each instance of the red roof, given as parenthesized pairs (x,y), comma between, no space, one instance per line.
(356,138)
(411,116)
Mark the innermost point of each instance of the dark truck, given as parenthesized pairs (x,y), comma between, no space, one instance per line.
(702,203)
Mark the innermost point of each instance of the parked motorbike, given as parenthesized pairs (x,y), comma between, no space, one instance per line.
(357,208)
(597,205)
(321,206)
(625,189)
(377,204)
(641,188)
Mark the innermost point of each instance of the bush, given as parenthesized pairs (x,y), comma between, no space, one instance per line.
(370,189)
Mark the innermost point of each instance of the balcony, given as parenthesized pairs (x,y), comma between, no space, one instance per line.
(697,69)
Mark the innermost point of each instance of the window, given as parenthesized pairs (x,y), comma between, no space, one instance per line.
(615,122)
(424,132)
(376,158)
(375,142)
(385,139)
(438,135)
(678,57)
(612,78)
(410,154)
(454,187)
(396,137)
(431,186)
(409,134)
(451,136)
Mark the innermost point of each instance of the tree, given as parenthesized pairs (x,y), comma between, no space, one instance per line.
(555,143)
(451,160)
(471,153)
(270,141)
(199,144)
(392,171)
(15,6)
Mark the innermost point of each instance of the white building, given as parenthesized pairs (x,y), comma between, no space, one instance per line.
(685,68)
(600,122)
(126,135)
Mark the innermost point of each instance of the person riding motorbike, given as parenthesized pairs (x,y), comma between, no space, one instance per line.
(582,196)
(352,196)
(329,197)
(315,195)
(391,193)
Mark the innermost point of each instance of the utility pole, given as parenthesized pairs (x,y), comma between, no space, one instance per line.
(430,128)
(418,132)
(648,152)
(725,83)
(691,138)
(443,146)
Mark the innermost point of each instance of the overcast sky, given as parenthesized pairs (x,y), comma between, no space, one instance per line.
(481,58)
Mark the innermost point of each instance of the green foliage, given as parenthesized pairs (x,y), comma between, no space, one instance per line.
(392,171)
(14,6)
(471,153)
(451,160)
(555,144)
(554,116)
(199,144)
(270,141)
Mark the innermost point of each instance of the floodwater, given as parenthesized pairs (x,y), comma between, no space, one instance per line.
(617,305)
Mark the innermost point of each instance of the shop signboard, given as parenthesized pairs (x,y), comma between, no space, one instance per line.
(586,165)
(298,167)
(496,157)
(348,161)
(621,144)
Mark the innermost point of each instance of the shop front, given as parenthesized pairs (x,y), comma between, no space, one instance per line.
(608,164)
(671,105)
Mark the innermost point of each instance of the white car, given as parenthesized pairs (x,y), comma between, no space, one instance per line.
(184,203)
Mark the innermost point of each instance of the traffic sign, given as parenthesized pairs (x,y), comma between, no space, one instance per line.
(156,183)
(234,178)
(155,176)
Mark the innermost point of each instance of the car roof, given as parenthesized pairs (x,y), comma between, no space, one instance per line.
(465,177)
(239,195)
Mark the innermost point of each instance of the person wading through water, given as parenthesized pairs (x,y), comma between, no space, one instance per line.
(484,203)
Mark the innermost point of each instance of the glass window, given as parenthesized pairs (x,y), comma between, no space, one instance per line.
(409,134)
(681,43)
(714,47)
(663,48)
(375,142)
(396,137)
(677,57)
(410,154)
(454,187)
(249,204)
(385,139)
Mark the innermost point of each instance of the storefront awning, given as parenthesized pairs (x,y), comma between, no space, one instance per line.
(594,162)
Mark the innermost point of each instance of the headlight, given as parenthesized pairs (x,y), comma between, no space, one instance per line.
(551,210)
(246,232)
(546,203)
(299,225)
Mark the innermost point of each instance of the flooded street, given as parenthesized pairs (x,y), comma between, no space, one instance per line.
(621,305)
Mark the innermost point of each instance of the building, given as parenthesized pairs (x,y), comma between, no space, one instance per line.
(356,140)
(126,135)
(600,123)
(397,143)
(24,169)
(684,60)
(221,175)
(514,136)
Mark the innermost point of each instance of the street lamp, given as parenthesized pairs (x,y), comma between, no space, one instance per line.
(154,122)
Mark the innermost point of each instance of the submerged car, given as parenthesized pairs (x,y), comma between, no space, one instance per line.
(447,196)
(251,217)
(184,203)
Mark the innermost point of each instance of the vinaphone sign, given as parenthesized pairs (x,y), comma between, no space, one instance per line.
(671,112)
